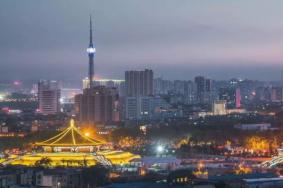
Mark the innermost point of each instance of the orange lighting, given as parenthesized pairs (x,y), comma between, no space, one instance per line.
(87,134)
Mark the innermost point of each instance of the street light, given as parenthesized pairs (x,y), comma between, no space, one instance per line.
(160,149)
(87,134)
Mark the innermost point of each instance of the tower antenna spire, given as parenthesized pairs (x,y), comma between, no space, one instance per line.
(90,31)
(91,53)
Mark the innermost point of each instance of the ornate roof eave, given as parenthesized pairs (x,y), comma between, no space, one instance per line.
(71,131)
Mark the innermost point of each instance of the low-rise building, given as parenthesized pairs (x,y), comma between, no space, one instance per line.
(7,178)
(254,126)
(262,182)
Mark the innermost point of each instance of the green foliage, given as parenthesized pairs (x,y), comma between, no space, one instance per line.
(214,133)
(19,142)
(43,162)
(95,176)
(181,173)
(221,184)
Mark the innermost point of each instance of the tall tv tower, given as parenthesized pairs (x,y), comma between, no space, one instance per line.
(91,53)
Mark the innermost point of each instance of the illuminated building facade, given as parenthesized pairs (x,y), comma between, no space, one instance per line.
(48,97)
(70,140)
(110,83)
(219,107)
(238,98)
(72,148)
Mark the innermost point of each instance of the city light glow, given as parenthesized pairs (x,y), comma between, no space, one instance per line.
(87,134)
(160,149)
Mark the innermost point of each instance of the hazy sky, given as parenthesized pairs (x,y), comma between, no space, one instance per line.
(178,39)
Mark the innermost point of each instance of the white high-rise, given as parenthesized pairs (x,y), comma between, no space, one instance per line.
(48,97)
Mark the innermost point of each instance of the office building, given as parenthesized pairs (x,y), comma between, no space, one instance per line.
(48,97)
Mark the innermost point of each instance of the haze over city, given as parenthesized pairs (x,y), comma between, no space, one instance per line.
(178,39)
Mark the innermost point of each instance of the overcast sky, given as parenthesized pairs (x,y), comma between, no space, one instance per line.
(178,39)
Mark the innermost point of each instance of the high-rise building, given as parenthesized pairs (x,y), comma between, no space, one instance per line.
(200,88)
(34,90)
(162,87)
(144,108)
(276,94)
(203,89)
(98,105)
(182,92)
(179,87)
(139,83)
(112,83)
(68,95)
(119,84)
(229,95)
(263,93)
(48,97)
(190,92)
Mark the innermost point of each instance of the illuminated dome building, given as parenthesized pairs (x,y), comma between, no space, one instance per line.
(70,140)
(72,148)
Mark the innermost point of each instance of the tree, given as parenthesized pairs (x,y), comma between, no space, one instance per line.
(181,173)
(257,143)
(97,175)
(43,162)
(220,184)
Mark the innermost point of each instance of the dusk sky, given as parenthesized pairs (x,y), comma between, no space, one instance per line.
(178,39)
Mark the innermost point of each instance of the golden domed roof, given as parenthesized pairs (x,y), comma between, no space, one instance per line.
(70,137)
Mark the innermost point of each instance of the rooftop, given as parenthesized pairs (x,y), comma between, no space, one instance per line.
(70,137)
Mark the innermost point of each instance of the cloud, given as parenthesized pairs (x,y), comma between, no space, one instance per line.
(186,34)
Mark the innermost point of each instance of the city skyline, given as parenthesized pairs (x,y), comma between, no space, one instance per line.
(135,93)
(219,40)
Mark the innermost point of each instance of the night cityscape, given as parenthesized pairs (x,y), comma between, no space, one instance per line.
(134,94)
